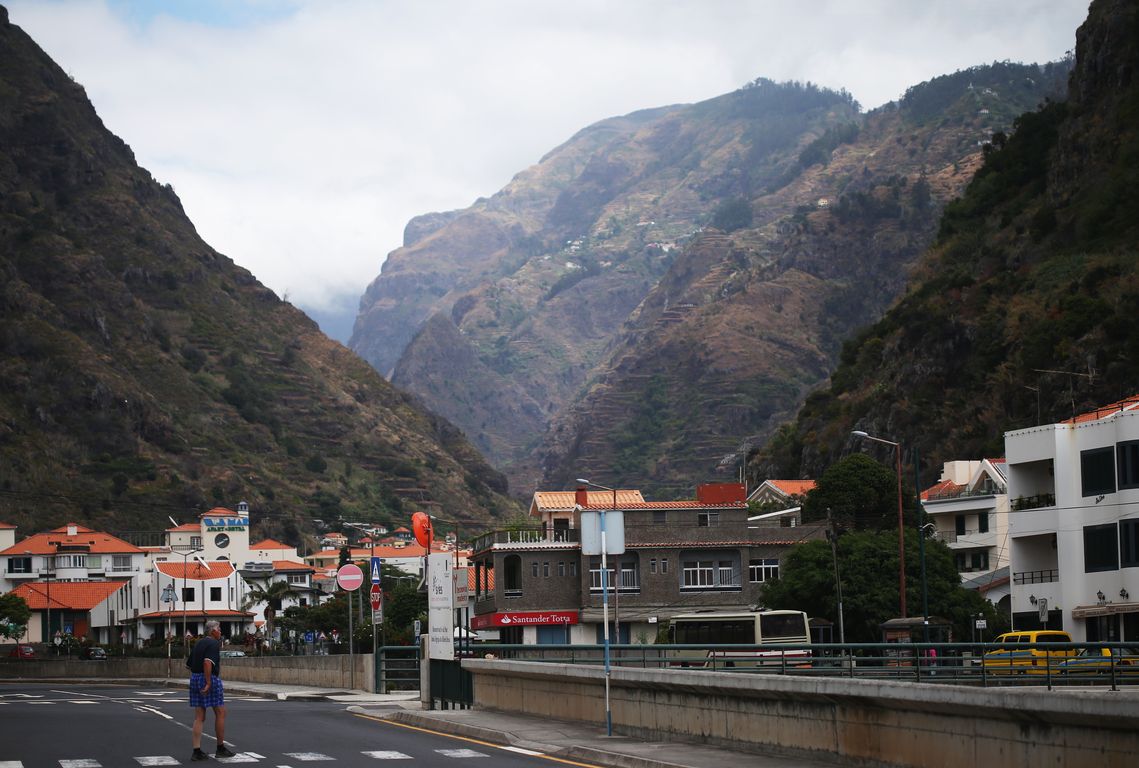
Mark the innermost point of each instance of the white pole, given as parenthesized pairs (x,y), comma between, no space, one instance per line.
(605,622)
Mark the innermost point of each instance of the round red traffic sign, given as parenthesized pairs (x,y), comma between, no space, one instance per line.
(349,576)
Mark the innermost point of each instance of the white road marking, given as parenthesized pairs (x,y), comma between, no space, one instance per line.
(85,762)
(11,764)
(20,696)
(240,757)
(254,754)
(82,701)
(154,711)
(157,760)
(387,755)
(308,757)
(39,702)
(460,753)
(521,751)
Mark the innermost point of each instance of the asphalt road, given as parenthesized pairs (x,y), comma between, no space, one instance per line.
(105,726)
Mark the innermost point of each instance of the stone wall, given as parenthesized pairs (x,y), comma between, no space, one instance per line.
(314,671)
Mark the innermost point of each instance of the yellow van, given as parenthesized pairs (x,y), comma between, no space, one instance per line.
(1031,652)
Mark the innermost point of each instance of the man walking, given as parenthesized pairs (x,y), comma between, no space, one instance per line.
(206,690)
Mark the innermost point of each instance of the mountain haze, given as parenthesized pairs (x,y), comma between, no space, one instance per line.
(662,290)
(146,375)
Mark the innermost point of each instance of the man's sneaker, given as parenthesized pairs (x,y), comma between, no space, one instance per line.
(224,751)
(199,755)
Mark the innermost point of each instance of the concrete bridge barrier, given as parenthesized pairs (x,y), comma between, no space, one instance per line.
(863,722)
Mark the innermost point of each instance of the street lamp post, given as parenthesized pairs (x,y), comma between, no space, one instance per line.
(901,524)
(605,600)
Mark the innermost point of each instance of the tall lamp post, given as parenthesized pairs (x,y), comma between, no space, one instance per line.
(901,525)
(605,599)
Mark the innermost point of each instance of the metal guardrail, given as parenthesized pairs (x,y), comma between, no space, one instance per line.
(950,663)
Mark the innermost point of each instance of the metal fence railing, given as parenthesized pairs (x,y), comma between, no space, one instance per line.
(978,664)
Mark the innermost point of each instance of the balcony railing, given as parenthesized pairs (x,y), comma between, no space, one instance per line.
(524,536)
(1036,577)
(1039,501)
(962,494)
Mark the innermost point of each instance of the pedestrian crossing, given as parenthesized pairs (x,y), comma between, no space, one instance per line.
(283,760)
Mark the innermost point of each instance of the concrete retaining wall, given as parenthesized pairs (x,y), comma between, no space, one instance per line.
(314,671)
(859,722)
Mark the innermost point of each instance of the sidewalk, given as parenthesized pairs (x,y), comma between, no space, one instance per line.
(585,742)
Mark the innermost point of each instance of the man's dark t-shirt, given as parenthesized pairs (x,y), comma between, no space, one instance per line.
(206,648)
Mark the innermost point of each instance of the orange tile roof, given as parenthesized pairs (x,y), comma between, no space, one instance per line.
(289,565)
(943,490)
(219,569)
(185,527)
(1106,411)
(84,539)
(270,544)
(6,525)
(193,612)
(565,500)
(793,487)
(72,595)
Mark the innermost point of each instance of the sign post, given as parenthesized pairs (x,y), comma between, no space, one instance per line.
(350,577)
(440,607)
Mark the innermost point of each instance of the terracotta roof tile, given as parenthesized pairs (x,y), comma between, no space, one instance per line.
(270,544)
(85,540)
(1106,411)
(289,565)
(71,595)
(793,487)
(193,570)
(565,500)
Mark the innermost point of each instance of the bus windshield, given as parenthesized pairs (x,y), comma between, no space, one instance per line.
(779,627)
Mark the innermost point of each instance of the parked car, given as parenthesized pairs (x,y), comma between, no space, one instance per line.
(232,654)
(1100,661)
(22,651)
(1035,651)
(94,652)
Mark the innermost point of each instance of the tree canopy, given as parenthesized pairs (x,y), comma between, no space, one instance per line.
(868,567)
(860,493)
(14,615)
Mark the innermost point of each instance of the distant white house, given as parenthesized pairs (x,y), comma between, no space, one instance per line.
(968,509)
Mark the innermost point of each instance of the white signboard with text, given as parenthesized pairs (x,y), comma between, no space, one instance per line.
(440,607)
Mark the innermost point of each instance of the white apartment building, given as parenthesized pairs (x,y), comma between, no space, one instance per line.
(968,509)
(1074,524)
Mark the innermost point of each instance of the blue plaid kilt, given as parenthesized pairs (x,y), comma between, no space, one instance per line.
(215,697)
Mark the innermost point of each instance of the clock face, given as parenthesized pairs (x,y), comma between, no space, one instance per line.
(221,541)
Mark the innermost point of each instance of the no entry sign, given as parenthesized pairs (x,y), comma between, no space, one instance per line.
(349,577)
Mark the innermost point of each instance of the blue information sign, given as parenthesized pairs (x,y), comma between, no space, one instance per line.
(376,561)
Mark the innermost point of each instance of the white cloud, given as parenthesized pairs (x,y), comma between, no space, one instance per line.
(302,135)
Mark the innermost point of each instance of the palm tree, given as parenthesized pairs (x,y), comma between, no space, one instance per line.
(270,593)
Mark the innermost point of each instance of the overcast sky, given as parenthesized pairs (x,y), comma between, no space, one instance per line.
(302,135)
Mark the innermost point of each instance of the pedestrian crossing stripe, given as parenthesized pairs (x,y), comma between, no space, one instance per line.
(381,755)
(308,756)
(157,760)
(460,753)
(81,763)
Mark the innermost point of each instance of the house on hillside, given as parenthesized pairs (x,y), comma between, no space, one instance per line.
(1073,488)
(968,510)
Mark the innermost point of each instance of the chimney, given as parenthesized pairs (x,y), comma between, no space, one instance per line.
(581,496)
